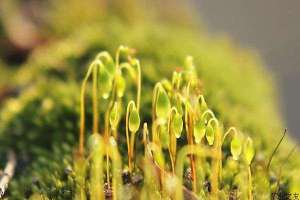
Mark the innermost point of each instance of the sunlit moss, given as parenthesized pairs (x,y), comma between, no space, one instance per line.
(235,85)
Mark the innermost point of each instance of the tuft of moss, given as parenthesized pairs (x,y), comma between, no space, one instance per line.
(236,86)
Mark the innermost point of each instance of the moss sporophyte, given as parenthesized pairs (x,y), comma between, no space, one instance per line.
(181,119)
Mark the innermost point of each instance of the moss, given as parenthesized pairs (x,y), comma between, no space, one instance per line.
(41,124)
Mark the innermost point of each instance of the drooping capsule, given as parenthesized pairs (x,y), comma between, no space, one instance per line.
(107,61)
(210,134)
(249,151)
(105,82)
(235,147)
(114,117)
(134,120)
(177,125)
(178,104)
(199,130)
(163,104)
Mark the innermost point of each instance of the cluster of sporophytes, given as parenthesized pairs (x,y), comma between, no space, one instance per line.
(180,117)
(40,123)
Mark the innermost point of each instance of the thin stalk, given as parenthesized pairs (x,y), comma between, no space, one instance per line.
(110,106)
(276,148)
(281,166)
(107,169)
(250,196)
(139,85)
(95,101)
(132,141)
(217,160)
(106,124)
(189,130)
(138,78)
(172,161)
(230,132)
(82,110)
(129,107)
(172,143)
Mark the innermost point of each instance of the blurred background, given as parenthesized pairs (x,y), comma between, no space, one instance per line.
(272,28)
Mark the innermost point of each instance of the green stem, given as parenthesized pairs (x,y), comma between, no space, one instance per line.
(189,131)
(217,161)
(275,150)
(139,85)
(82,110)
(129,107)
(95,101)
(172,143)
(250,196)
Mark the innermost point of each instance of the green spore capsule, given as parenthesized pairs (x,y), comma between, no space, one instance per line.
(177,125)
(178,104)
(114,117)
(210,134)
(249,151)
(199,131)
(235,147)
(105,81)
(134,120)
(163,104)
(108,62)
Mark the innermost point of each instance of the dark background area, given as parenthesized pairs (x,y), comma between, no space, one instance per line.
(272,27)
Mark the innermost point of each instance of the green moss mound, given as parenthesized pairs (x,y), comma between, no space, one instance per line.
(41,124)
